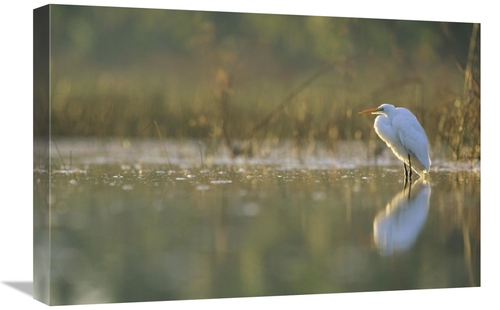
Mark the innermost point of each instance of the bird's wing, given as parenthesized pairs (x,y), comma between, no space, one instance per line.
(412,136)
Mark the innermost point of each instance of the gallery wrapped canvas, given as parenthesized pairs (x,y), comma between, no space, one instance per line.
(199,154)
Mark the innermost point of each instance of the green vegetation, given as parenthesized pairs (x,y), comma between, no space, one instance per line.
(250,77)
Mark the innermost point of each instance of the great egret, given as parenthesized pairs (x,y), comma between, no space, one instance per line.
(402,132)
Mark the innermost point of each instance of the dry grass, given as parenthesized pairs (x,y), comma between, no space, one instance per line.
(240,104)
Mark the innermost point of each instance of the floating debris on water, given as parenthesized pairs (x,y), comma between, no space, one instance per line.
(221,181)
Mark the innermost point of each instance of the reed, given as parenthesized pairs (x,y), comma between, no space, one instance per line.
(163,145)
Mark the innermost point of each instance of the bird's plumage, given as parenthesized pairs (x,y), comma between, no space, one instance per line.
(402,132)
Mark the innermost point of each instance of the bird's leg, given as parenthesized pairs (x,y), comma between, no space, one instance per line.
(409,163)
(406,175)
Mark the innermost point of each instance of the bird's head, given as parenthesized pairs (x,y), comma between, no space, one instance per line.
(383,109)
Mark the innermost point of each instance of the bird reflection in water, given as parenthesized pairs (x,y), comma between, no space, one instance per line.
(396,228)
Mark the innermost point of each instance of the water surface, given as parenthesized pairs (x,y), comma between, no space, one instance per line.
(129,224)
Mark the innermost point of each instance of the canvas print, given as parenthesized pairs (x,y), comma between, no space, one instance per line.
(195,155)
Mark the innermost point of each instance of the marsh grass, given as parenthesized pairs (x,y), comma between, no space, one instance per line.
(238,107)
(246,80)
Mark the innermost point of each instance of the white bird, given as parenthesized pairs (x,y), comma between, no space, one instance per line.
(402,132)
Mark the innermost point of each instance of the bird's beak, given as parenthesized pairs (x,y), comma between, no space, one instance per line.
(369,111)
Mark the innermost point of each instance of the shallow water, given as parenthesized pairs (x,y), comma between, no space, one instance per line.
(128,226)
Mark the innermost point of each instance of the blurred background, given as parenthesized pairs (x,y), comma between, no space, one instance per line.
(240,79)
